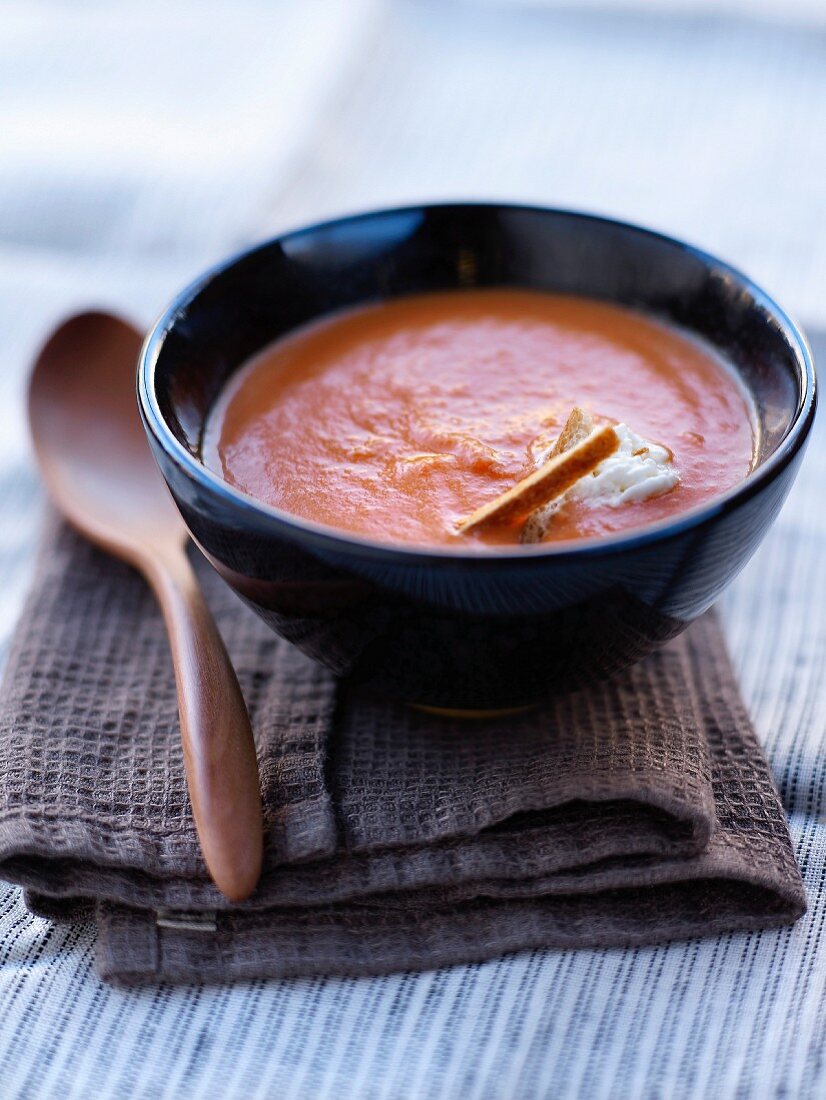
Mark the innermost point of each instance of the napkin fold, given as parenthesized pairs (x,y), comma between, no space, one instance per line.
(635,812)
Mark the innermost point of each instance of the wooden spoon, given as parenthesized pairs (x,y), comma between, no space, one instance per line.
(99,470)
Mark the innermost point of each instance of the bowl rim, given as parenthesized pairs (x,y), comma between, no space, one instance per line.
(330,537)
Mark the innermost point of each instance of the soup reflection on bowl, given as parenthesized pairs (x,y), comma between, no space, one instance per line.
(469,455)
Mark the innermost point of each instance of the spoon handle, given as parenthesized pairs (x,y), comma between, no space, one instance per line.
(219,751)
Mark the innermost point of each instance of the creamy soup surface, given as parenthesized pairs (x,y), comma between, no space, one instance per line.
(397,420)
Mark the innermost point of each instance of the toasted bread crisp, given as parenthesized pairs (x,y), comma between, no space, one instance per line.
(578,426)
(547,483)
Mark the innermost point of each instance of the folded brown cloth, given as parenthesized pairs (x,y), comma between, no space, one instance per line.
(637,812)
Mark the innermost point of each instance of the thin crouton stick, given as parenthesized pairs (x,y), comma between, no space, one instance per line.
(548,482)
(578,426)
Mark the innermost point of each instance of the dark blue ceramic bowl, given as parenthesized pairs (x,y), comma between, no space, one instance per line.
(479,630)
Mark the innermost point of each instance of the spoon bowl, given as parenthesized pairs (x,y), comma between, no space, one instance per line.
(88,438)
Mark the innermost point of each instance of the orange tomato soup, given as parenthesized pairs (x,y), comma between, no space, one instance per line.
(396,420)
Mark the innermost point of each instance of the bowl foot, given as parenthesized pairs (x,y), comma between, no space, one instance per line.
(472,715)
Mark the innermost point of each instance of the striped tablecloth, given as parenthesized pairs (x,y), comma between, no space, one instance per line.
(141,143)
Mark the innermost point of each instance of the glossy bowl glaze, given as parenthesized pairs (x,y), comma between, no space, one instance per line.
(487,629)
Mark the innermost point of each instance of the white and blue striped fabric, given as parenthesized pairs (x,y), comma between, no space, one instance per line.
(142,141)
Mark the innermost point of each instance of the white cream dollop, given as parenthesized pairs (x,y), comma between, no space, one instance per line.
(637,470)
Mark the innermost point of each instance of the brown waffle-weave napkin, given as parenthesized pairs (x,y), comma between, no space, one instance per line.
(638,812)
